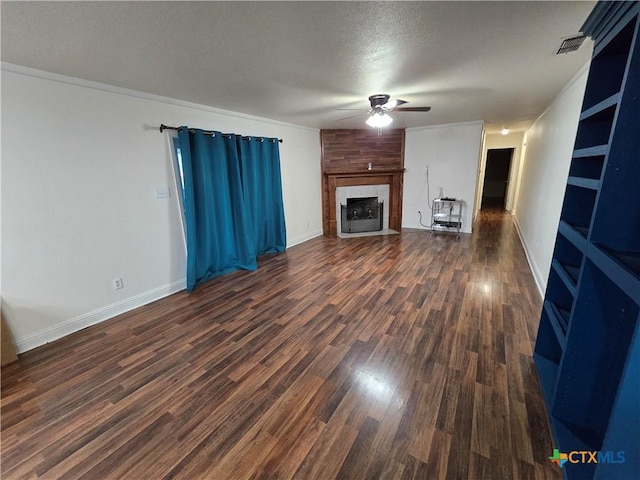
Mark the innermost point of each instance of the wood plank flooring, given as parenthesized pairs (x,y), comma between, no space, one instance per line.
(393,357)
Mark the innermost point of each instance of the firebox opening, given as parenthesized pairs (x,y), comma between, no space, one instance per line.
(364,214)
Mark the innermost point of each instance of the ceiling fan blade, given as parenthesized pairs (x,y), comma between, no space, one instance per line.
(354,109)
(412,109)
(352,116)
(393,104)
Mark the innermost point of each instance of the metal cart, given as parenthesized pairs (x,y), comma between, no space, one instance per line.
(446,215)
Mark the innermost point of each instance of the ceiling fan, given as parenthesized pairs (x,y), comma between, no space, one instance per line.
(381,105)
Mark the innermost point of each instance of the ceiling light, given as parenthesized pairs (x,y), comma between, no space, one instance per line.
(379,120)
(504,131)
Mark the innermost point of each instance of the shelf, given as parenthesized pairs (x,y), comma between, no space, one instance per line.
(576,438)
(564,316)
(445,224)
(591,151)
(605,78)
(616,220)
(582,230)
(578,205)
(571,438)
(629,260)
(547,374)
(567,259)
(602,324)
(576,236)
(568,275)
(599,107)
(557,321)
(560,288)
(584,182)
(595,130)
(624,424)
(622,268)
(587,167)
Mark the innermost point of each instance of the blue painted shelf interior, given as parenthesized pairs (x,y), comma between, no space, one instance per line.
(586,351)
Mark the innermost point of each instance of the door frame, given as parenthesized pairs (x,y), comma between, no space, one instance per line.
(516,140)
(507,189)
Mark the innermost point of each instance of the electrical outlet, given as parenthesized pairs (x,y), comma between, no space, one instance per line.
(117,283)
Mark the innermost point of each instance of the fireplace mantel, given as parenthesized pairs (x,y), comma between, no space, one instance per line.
(348,178)
(363,173)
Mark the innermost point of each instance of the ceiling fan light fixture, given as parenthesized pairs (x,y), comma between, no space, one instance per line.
(379,120)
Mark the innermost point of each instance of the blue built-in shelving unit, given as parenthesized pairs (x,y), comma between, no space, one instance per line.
(588,347)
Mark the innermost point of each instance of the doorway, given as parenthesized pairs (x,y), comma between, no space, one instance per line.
(496,178)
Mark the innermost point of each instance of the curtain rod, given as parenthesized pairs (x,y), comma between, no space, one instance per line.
(164,127)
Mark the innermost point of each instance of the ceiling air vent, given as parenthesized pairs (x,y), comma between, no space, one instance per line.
(571,44)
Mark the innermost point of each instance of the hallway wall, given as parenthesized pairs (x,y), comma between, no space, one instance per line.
(549,143)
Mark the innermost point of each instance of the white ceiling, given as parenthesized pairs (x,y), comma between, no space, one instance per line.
(300,62)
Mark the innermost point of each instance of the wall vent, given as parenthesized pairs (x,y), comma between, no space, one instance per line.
(571,44)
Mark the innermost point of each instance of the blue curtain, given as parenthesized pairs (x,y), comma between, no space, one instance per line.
(262,187)
(232,202)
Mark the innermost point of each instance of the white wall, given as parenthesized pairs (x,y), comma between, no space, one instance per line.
(80,163)
(451,152)
(549,144)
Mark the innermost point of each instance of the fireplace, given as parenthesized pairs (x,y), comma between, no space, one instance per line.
(357,158)
(363,214)
(386,185)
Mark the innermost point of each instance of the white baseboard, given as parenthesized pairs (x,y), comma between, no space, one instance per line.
(541,282)
(303,238)
(96,316)
(85,320)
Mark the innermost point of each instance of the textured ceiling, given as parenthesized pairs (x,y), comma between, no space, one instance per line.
(301,62)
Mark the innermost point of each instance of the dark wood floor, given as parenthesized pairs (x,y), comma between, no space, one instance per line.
(401,357)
